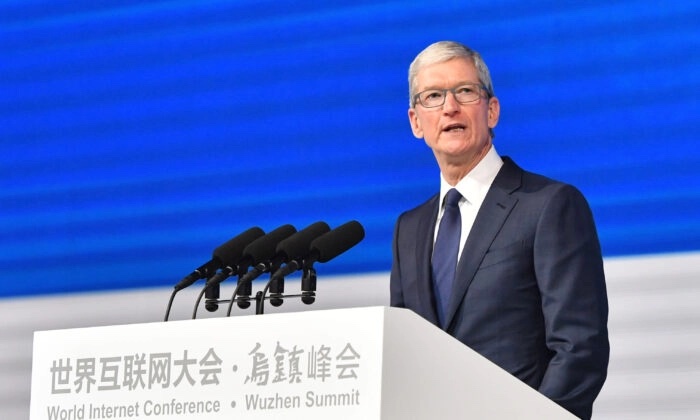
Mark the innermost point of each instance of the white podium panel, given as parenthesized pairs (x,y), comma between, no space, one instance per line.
(365,363)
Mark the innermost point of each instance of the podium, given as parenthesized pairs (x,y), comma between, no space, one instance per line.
(363,363)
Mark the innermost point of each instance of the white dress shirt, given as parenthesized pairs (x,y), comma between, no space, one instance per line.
(473,188)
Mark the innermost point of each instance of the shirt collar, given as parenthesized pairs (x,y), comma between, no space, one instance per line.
(477,182)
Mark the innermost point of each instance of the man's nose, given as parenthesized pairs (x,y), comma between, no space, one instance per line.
(451,105)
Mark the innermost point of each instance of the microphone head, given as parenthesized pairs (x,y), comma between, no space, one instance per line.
(337,241)
(232,251)
(297,245)
(263,249)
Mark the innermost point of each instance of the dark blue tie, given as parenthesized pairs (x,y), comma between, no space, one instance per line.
(446,252)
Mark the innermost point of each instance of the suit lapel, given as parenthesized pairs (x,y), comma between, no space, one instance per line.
(493,213)
(424,249)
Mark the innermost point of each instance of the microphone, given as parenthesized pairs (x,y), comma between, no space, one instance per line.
(229,257)
(325,248)
(330,245)
(257,254)
(252,252)
(220,254)
(296,247)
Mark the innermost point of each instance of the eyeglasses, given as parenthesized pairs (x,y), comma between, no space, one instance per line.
(464,94)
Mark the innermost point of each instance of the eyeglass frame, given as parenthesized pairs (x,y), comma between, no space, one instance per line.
(481,87)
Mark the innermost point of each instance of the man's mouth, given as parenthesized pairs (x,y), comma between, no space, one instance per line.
(454,128)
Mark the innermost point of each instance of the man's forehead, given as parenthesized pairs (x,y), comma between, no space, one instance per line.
(447,73)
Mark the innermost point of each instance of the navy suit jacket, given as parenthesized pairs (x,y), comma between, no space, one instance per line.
(529,293)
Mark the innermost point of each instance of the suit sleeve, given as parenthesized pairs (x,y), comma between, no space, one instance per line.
(395,289)
(569,270)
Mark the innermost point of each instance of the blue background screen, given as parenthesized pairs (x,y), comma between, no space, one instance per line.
(138,136)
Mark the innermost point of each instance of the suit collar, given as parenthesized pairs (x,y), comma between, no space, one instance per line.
(424,250)
(510,177)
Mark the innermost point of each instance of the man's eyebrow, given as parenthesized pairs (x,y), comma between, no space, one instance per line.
(466,82)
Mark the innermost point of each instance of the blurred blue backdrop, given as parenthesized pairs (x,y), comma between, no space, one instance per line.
(139,135)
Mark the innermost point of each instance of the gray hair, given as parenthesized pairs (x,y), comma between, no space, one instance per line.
(440,52)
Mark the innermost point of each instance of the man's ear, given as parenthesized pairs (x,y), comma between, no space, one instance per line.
(415,123)
(494,111)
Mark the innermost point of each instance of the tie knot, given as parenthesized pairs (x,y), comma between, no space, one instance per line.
(452,198)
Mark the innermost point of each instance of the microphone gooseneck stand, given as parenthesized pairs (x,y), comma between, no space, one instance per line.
(170,305)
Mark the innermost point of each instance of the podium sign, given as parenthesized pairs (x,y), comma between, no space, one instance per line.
(365,363)
(303,364)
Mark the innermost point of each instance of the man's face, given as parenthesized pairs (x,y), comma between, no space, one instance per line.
(456,132)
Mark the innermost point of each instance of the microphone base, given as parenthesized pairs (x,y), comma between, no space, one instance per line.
(308,297)
(276,299)
(243,302)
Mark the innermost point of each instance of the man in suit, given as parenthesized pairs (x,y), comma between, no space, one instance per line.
(509,262)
